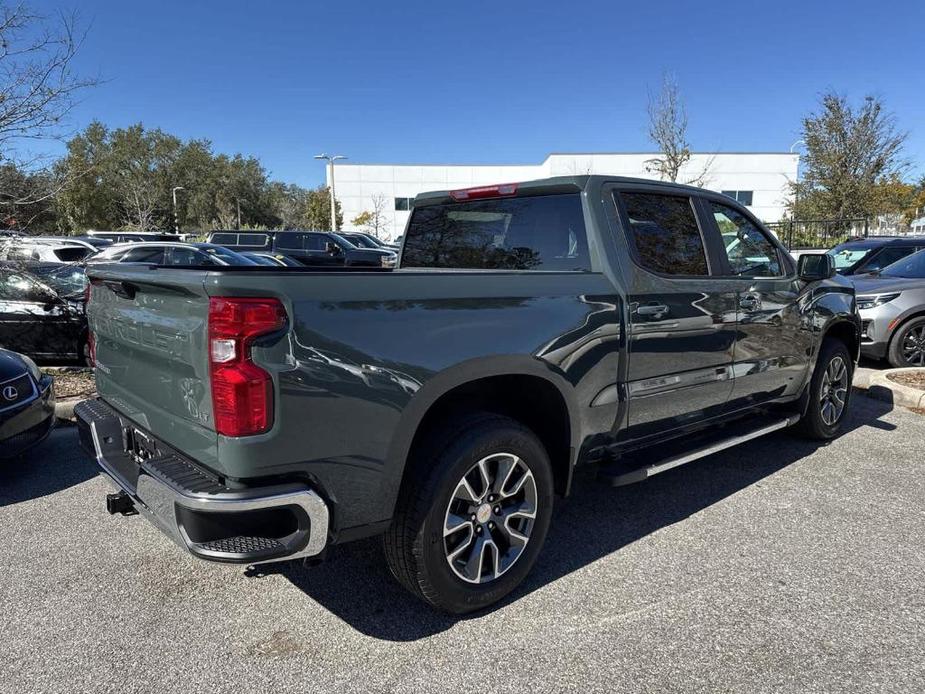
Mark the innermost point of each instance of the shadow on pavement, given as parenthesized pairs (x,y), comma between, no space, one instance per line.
(595,521)
(55,464)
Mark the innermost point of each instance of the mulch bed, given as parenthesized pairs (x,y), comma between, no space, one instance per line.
(74,383)
(915,379)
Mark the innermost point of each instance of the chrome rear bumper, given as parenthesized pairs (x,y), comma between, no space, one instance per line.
(211,521)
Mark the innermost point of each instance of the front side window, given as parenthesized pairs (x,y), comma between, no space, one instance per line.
(912,266)
(542,232)
(316,242)
(664,231)
(144,255)
(750,252)
(887,256)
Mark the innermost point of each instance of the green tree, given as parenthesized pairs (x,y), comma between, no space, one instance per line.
(853,156)
(316,214)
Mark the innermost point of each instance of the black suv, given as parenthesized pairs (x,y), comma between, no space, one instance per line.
(327,249)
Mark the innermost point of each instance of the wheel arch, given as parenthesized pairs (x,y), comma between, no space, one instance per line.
(524,388)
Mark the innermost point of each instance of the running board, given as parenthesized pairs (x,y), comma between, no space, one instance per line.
(621,476)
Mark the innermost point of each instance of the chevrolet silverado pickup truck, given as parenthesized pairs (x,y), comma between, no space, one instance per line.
(258,414)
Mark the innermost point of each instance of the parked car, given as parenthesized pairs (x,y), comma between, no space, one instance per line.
(30,250)
(135,236)
(170,253)
(871,254)
(327,249)
(27,404)
(530,328)
(892,307)
(42,311)
(271,259)
(364,240)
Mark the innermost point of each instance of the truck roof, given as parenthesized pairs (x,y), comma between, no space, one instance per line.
(558,184)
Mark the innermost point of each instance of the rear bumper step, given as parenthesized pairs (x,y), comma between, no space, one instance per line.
(620,473)
(211,521)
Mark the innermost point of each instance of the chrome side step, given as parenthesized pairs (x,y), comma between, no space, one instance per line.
(621,476)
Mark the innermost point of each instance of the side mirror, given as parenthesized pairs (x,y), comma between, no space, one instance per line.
(812,267)
(331,248)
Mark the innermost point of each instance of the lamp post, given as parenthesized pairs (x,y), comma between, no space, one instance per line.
(331,159)
(176,217)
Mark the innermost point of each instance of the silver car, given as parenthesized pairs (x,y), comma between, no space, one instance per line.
(892,307)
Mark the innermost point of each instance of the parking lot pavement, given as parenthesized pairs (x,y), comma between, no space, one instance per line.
(777,566)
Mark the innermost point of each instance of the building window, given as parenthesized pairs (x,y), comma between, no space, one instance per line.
(743,197)
(403,204)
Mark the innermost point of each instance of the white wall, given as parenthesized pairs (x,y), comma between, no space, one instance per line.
(765,174)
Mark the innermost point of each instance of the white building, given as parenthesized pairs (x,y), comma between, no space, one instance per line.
(757,179)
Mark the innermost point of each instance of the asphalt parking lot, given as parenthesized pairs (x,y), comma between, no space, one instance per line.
(777,566)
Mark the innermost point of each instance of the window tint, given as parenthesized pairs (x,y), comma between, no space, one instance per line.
(144,255)
(315,242)
(749,251)
(885,257)
(187,256)
(664,230)
(910,266)
(70,255)
(529,233)
(251,240)
(293,242)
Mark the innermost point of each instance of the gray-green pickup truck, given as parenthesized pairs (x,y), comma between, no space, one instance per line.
(259,414)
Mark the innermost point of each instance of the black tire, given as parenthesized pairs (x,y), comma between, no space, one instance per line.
(910,334)
(415,545)
(817,422)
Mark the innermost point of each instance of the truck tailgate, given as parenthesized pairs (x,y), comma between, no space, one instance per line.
(150,331)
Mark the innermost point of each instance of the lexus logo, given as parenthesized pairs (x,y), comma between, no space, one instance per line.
(10,393)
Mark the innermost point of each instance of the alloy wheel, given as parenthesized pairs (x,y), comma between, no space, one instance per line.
(490,518)
(834,391)
(913,347)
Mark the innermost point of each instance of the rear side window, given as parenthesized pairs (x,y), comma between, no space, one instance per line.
(70,255)
(252,240)
(144,255)
(292,242)
(544,232)
(664,231)
(224,239)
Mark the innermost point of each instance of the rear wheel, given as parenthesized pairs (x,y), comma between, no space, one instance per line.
(473,517)
(829,392)
(907,348)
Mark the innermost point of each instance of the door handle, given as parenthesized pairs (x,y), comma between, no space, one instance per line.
(655,310)
(750,302)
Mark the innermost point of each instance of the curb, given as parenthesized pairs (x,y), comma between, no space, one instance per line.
(882,388)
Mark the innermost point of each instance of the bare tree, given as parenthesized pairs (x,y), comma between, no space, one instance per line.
(668,130)
(375,221)
(38,89)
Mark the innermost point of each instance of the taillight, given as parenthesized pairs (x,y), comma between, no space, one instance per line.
(242,392)
(497,191)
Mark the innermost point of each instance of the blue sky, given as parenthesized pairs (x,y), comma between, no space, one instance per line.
(493,82)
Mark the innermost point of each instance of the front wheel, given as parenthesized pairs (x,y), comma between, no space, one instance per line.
(473,517)
(907,348)
(829,392)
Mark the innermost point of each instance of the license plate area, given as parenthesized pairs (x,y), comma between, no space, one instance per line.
(139,445)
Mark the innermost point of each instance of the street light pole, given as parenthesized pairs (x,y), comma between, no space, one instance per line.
(176,217)
(331,160)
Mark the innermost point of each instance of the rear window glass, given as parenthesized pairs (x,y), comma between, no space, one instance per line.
(545,232)
(69,255)
(664,230)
